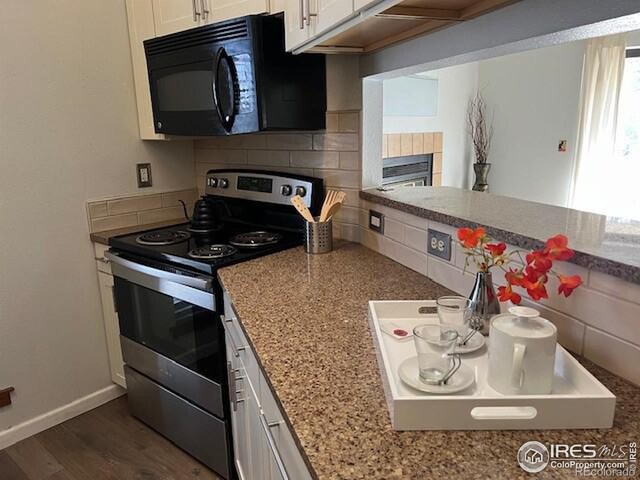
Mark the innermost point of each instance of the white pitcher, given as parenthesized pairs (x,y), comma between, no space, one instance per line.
(522,348)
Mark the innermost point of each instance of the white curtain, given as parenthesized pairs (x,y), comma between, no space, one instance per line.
(601,85)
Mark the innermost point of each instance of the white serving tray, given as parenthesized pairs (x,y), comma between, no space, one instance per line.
(578,399)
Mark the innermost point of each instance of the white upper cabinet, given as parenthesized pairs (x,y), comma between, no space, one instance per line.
(331,12)
(219,10)
(172,16)
(298,26)
(141,28)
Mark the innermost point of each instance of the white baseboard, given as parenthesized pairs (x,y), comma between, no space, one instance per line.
(50,419)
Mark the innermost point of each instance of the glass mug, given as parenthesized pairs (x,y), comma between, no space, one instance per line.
(435,345)
(456,312)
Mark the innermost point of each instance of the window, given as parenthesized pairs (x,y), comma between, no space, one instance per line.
(623,199)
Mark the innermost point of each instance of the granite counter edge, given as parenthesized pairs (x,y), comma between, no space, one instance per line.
(620,270)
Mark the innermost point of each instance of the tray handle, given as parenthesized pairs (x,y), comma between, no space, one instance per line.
(504,413)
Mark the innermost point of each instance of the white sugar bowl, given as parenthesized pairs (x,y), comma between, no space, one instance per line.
(522,349)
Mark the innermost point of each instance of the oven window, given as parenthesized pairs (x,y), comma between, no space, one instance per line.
(188,89)
(185,333)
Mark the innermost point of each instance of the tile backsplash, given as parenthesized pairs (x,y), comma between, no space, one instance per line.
(332,154)
(600,321)
(131,210)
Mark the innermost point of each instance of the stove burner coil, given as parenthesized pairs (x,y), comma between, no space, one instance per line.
(255,239)
(211,252)
(163,238)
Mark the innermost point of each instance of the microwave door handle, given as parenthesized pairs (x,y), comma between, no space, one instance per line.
(226,119)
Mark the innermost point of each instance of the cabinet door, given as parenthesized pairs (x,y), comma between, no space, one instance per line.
(291,458)
(218,10)
(330,12)
(111,328)
(258,440)
(239,417)
(172,16)
(296,29)
(141,27)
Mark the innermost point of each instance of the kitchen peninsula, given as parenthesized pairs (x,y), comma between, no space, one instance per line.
(608,245)
(316,352)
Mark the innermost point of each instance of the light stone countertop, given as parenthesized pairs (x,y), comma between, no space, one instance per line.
(305,317)
(606,244)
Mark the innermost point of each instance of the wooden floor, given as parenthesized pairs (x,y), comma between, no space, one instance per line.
(105,443)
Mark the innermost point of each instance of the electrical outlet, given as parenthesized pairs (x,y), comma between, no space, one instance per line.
(439,244)
(144,174)
(376,221)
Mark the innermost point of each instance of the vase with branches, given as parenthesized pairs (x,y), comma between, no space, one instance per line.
(481,132)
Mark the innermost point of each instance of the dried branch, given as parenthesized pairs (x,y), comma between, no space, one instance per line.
(480,132)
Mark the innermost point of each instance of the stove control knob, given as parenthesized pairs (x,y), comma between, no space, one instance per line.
(301,191)
(212,182)
(223,183)
(286,190)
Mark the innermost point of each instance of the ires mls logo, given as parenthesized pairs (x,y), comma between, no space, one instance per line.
(533,457)
(586,460)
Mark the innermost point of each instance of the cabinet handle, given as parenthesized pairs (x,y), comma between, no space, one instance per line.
(102,260)
(309,14)
(301,14)
(113,298)
(235,349)
(205,9)
(231,379)
(196,13)
(273,447)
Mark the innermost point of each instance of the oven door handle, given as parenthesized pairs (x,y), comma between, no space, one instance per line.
(197,290)
(201,283)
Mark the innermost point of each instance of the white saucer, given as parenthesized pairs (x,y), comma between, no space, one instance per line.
(408,371)
(474,343)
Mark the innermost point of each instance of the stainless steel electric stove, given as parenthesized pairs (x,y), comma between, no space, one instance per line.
(169,303)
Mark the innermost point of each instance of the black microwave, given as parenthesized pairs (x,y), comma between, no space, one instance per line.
(234,77)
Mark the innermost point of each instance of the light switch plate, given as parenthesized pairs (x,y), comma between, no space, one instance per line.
(376,221)
(439,244)
(144,175)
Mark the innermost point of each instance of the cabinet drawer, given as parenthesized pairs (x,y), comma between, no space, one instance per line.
(180,421)
(239,345)
(292,458)
(101,261)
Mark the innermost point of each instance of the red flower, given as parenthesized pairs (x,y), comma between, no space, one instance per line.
(496,249)
(515,277)
(568,284)
(469,237)
(539,261)
(506,293)
(556,248)
(537,290)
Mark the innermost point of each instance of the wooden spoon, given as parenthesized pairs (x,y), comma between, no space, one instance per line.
(298,202)
(337,203)
(328,200)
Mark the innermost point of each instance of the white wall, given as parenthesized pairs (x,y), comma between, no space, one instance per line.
(455,86)
(535,98)
(68,133)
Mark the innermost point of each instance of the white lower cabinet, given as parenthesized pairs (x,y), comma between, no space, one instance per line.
(110,316)
(263,445)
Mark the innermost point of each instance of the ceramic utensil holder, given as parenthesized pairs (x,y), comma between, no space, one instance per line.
(318,237)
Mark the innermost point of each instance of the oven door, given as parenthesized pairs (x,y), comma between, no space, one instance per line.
(170,331)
